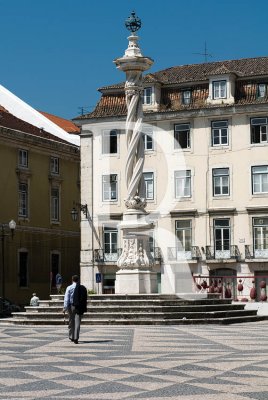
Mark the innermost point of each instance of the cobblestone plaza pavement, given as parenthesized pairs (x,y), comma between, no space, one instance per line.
(145,362)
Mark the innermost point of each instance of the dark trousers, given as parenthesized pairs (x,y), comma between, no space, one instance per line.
(74,323)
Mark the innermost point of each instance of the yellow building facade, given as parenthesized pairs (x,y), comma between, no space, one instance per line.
(39,177)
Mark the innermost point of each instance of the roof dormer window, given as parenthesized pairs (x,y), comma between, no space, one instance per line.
(147,98)
(219,89)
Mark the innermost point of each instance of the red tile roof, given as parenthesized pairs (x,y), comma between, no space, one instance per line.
(65,124)
(245,67)
(250,72)
(8,120)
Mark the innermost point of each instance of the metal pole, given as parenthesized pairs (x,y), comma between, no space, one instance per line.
(3,268)
(3,261)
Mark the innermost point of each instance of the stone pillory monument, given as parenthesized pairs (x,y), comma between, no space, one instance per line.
(136,273)
(135,263)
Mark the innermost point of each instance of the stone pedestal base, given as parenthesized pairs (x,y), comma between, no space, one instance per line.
(135,282)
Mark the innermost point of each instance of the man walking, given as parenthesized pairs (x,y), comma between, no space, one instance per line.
(75,303)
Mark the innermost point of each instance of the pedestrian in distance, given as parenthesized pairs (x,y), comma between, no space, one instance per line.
(75,303)
(58,282)
(34,302)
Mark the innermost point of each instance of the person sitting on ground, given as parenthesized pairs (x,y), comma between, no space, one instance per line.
(34,301)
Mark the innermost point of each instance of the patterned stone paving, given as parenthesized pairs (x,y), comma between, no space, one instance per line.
(152,362)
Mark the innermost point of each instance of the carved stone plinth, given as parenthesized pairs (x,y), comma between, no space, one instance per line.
(135,252)
(136,263)
(135,281)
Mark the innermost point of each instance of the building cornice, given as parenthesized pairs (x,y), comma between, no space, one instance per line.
(183,213)
(222,210)
(257,209)
(184,114)
(16,138)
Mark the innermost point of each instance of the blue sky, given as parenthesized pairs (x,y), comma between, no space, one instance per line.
(56,53)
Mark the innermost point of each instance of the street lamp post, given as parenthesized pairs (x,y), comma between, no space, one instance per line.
(12,226)
(83,208)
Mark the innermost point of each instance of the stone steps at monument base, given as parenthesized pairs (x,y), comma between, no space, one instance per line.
(141,297)
(142,308)
(141,314)
(215,321)
(138,303)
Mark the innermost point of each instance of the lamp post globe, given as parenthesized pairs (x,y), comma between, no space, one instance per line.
(12,226)
(74,214)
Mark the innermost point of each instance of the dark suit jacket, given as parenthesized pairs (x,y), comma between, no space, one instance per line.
(80,299)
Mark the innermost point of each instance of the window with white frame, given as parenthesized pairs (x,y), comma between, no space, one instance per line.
(182,184)
(260,233)
(55,204)
(23,158)
(110,243)
(184,234)
(219,89)
(221,182)
(186,97)
(149,185)
(54,165)
(147,97)
(109,141)
(222,234)
(109,187)
(182,136)
(148,138)
(219,133)
(259,130)
(261,90)
(23,199)
(260,179)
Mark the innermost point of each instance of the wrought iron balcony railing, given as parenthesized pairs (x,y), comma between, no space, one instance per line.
(251,253)
(178,254)
(156,254)
(232,253)
(101,257)
(243,288)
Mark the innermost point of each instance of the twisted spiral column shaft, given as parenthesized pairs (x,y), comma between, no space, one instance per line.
(135,154)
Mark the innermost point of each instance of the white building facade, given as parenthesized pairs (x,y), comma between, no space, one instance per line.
(205,178)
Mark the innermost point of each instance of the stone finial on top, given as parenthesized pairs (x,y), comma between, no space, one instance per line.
(133,24)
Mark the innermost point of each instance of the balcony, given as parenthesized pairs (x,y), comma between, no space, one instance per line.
(175,254)
(255,254)
(230,255)
(108,258)
(111,258)
(156,254)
